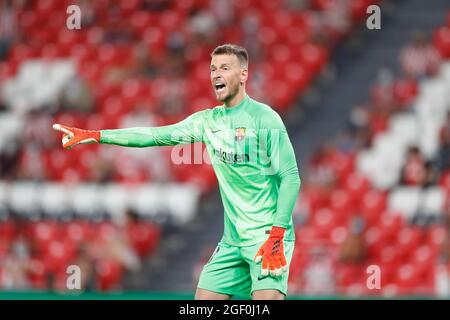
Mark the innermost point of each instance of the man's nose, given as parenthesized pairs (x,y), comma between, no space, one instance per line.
(217,74)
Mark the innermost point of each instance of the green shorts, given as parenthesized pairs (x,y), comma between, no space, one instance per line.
(232,271)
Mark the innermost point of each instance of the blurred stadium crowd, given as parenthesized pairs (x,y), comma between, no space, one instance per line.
(133,63)
(378,194)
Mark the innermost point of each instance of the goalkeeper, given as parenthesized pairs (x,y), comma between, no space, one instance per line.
(258,177)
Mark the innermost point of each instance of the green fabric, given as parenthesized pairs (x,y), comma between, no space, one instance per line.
(253,160)
(231,270)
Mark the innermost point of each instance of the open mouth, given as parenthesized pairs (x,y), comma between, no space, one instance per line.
(220,87)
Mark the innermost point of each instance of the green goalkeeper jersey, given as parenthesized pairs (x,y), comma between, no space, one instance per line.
(253,160)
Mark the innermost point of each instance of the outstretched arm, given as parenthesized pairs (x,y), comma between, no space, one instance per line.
(187,131)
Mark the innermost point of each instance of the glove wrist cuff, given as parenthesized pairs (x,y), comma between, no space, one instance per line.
(277,232)
(95,134)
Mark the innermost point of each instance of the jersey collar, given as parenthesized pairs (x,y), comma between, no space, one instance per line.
(237,107)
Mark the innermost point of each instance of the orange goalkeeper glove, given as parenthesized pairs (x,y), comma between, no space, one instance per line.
(272,254)
(73,136)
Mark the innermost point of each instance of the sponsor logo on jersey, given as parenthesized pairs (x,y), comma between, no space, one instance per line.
(231,157)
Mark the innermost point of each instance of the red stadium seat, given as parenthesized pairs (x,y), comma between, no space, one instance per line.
(267,36)
(406,278)
(408,239)
(435,237)
(372,206)
(313,56)
(338,235)
(75,232)
(144,237)
(342,205)
(444,181)
(155,38)
(441,40)
(108,274)
(297,75)
(36,274)
(128,7)
(42,233)
(324,222)
(357,185)
(21,52)
(57,255)
(405,91)
(375,241)
(390,224)
(423,259)
(8,230)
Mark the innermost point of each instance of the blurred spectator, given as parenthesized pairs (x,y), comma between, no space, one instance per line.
(336,20)
(14,275)
(358,126)
(346,142)
(442,271)
(102,169)
(359,118)
(76,96)
(142,65)
(118,248)
(420,58)
(353,249)
(9,28)
(202,26)
(414,170)
(116,28)
(431,175)
(31,165)
(9,160)
(172,96)
(379,119)
(250,26)
(176,44)
(87,268)
(88,16)
(382,91)
(3,106)
(443,157)
(36,131)
(320,171)
(223,12)
(156,5)
(319,274)
(297,4)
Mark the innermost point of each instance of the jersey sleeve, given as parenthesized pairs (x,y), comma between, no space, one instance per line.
(284,166)
(189,130)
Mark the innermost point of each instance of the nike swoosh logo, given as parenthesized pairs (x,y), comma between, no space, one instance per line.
(262,277)
(215,131)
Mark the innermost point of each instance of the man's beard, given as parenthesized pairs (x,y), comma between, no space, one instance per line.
(230,95)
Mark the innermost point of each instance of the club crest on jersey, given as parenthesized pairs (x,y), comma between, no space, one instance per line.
(239,133)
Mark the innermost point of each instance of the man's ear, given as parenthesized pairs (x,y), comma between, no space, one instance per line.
(244,75)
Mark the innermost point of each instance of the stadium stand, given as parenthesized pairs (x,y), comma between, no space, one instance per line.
(384,201)
(132,63)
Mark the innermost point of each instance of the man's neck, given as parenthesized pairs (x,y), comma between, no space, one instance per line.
(234,101)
